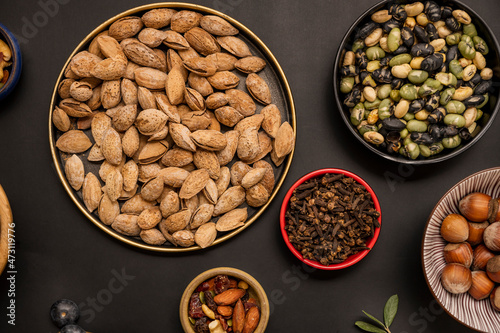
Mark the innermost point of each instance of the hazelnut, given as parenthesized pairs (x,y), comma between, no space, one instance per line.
(475,207)
(460,253)
(455,229)
(482,286)
(476,231)
(493,269)
(491,236)
(456,278)
(481,256)
(495,299)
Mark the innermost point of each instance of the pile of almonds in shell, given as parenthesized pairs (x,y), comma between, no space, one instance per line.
(181,149)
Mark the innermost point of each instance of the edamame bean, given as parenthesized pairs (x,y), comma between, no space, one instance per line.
(346,84)
(430,87)
(372,105)
(384,91)
(375,53)
(417,76)
(400,59)
(456,120)
(455,107)
(408,91)
(412,150)
(466,47)
(446,95)
(456,69)
(480,45)
(393,40)
(416,126)
(451,142)
(469,29)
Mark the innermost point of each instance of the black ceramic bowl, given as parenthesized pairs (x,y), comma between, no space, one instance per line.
(492,61)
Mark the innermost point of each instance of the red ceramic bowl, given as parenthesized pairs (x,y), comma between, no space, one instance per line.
(350,260)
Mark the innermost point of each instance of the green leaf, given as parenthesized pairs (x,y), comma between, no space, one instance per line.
(390,310)
(369,327)
(374,319)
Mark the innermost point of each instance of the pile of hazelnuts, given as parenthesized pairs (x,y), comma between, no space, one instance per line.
(473,252)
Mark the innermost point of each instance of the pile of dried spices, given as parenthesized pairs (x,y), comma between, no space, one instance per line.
(330,218)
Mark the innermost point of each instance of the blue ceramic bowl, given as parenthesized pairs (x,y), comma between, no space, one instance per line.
(15,68)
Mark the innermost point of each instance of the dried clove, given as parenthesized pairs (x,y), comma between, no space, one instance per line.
(331,218)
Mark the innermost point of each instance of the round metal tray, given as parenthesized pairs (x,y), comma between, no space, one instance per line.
(272,73)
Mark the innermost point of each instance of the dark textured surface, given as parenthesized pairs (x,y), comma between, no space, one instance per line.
(60,254)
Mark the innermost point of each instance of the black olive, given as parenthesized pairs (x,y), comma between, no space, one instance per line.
(382,75)
(397,83)
(464,134)
(397,12)
(421,34)
(432,62)
(422,50)
(393,124)
(416,105)
(435,132)
(431,31)
(389,25)
(433,11)
(453,24)
(474,100)
(421,138)
(482,88)
(407,37)
(366,30)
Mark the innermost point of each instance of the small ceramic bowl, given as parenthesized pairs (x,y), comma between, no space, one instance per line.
(478,315)
(255,290)
(351,260)
(15,68)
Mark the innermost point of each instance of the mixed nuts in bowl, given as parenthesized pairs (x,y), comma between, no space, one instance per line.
(10,61)
(172,127)
(330,219)
(224,299)
(414,82)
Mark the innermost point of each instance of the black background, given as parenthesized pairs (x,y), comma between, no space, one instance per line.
(60,254)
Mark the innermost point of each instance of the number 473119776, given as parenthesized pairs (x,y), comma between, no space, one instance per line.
(11,259)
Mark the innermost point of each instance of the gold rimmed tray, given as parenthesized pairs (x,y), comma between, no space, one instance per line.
(272,74)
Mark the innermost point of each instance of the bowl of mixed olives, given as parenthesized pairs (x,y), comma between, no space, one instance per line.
(414,82)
